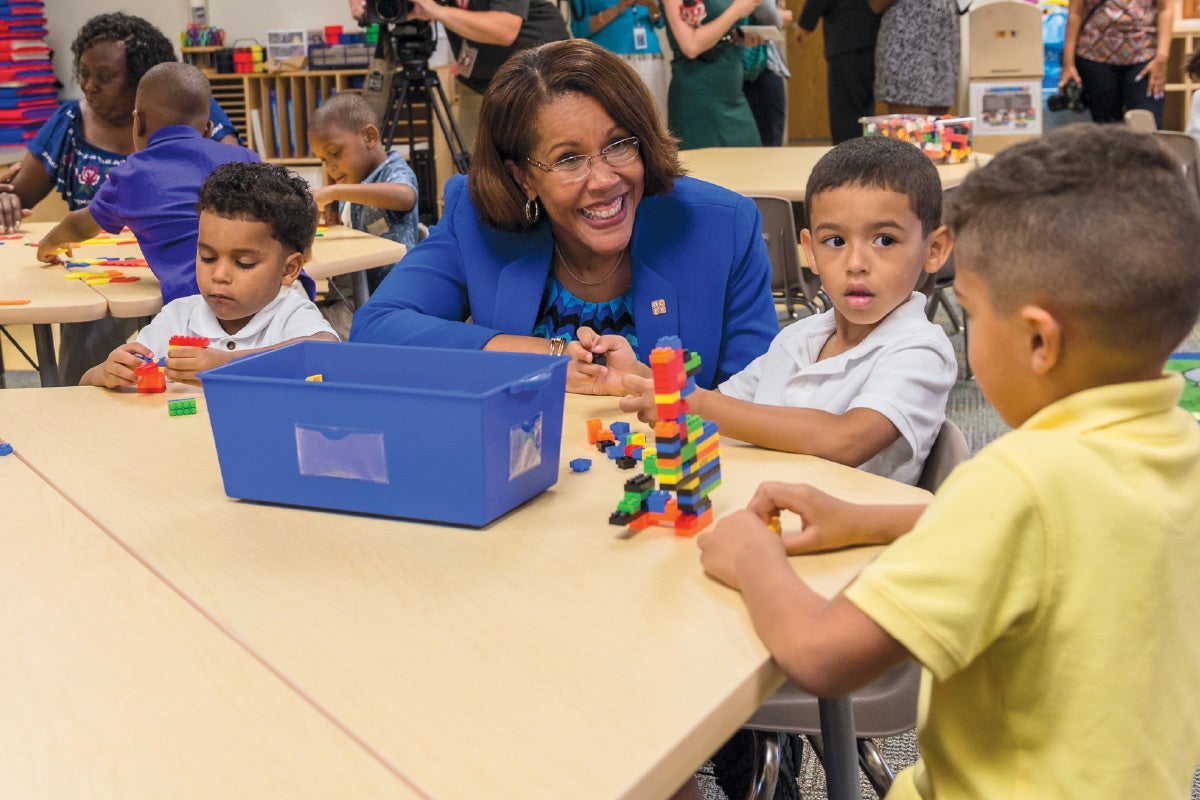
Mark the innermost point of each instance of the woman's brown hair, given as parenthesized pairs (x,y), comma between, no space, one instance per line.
(530,80)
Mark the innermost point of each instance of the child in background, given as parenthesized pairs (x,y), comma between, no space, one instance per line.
(256,222)
(1020,585)
(375,191)
(866,383)
(153,192)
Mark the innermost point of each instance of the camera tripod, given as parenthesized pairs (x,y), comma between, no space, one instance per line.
(414,82)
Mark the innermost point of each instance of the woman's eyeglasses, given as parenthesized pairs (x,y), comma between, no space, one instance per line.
(573,169)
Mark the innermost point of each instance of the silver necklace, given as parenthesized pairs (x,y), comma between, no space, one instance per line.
(580,280)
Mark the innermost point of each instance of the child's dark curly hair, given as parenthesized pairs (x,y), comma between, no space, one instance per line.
(263,193)
(145,45)
(1193,65)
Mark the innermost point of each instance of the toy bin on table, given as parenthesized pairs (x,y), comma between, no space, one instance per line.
(946,140)
(453,436)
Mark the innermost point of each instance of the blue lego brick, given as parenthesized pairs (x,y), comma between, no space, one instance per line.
(657,501)
(580,464)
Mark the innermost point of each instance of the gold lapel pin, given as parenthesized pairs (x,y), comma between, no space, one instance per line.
(658,307)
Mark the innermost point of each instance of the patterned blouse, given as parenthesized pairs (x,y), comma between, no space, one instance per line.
(562,313)
(1119,32)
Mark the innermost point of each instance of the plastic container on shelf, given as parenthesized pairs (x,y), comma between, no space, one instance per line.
(946,140)
(453,436)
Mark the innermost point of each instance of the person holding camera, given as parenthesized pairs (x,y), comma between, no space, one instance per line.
(482,34)
(705,103)
(1116,51)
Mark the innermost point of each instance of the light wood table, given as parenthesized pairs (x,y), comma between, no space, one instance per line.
(546,655)
(337,251)
(53,299)
(782,171)
(113,686)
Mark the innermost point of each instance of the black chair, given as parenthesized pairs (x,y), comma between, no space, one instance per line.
(795,288)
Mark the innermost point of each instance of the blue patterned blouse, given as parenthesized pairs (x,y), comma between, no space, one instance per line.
(562,313)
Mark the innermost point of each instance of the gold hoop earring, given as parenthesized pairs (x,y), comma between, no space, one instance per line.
(533,211)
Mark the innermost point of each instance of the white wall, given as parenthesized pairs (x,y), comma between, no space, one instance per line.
(241,19)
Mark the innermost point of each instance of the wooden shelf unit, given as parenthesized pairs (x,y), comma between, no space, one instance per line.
(1180,85)
(284,122)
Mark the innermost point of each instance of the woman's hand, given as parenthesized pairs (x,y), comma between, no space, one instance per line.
(747,39)
(183,363)
(585,376)
(11,212)
(1156,70)
(1069,73)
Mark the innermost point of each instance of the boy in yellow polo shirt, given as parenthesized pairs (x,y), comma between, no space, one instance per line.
(1050,589)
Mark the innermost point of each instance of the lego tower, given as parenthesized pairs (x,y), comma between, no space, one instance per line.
(686,455)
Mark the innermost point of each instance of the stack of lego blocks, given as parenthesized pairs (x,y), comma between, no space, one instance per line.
(150,377)
(686,458)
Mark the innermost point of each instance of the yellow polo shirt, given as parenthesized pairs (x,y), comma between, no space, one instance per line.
(1052,592)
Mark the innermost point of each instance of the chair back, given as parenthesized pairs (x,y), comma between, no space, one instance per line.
(1141,120)
(1187,149)
(949,450)
(791,283)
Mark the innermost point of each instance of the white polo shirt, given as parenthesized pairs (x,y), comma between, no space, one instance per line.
(289,316)
(904,369)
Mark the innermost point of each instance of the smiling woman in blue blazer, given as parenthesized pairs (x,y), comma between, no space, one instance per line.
(577,234)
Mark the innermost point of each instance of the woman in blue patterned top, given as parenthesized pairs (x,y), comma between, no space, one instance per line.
(75,149)
(576,233)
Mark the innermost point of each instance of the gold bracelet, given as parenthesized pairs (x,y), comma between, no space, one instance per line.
(557,345)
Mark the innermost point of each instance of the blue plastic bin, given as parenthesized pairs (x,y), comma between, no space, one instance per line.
(455,436)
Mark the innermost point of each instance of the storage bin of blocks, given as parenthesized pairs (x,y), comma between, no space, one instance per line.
(452,436)
(946,140)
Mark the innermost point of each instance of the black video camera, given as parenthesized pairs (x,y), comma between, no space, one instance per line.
(386,12)
(1069,99)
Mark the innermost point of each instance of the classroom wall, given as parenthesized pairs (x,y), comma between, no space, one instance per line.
(240,19)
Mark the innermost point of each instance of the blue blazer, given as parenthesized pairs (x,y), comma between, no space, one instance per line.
(698,259)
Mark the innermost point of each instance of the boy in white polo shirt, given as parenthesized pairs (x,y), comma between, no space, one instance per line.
(866,383)
(257,221)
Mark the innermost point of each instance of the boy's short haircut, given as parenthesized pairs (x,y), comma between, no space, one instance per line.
(879,162)
(1095,220)
(345,111)
(263,193)
(179,92)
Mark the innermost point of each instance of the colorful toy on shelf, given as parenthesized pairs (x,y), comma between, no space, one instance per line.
(150,378)
(946,140)
(181,407)
(686,455)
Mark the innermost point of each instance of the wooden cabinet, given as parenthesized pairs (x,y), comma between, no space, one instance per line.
(271,112)
(1180,85)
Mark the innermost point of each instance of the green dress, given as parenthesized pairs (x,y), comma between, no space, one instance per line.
(705,104)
